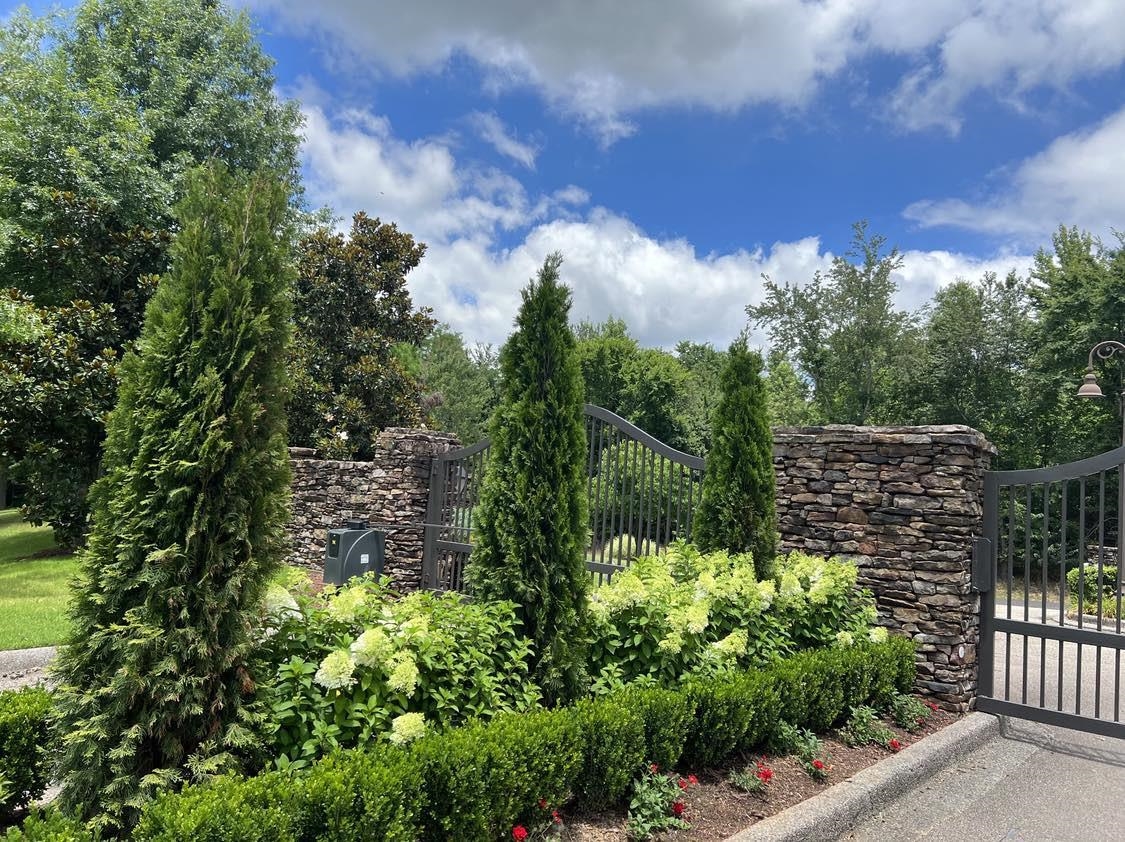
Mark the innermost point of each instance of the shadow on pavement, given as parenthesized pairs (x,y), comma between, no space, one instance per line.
(1062,741)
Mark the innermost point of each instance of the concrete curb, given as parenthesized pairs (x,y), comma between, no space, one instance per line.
(837,810)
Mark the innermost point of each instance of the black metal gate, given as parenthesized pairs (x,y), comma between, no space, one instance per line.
(1050,582)
(642,494)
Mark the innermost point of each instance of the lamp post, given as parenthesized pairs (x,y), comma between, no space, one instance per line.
(1090,389)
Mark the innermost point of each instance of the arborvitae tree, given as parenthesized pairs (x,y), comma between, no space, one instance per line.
(530,541)
(737,510)
(188,518)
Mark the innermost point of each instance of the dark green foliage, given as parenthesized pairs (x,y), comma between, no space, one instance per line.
(351,309)
(667,715)
(737,510)
(103,110)
(531,530)
(56,383)
(481,780)
(614,736)
(188,519)
(476,782)
(24,754)
(462,384)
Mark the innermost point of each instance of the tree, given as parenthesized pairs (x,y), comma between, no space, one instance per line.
(352,308)
(974,366)
(786,394)
(704,365)
(737,510)
(57,370)
(841,331)
(531,524)
(463,383)
(188,521)
(102,111)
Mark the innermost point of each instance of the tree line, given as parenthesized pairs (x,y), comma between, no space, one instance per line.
(107,110)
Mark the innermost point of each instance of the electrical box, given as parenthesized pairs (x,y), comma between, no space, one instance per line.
(353,551)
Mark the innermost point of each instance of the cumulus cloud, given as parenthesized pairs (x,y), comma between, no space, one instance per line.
(1070,182)
(605,62)
(664,288)
(493,131)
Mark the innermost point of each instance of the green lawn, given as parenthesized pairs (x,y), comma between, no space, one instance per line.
(33,591)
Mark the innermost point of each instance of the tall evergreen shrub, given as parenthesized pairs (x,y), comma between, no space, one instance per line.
(737,511)
(188,517)
(530,542)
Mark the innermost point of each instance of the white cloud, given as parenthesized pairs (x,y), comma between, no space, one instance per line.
(493,131)
(925,272)
(665,289)
(1073,182)
(607,61)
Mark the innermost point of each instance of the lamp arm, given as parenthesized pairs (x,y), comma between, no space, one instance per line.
(1105,350)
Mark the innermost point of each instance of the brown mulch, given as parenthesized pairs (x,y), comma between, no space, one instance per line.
(717,810)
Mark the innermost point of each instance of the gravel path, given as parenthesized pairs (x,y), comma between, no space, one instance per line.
(22,667)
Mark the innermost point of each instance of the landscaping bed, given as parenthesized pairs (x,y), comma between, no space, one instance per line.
(717,809)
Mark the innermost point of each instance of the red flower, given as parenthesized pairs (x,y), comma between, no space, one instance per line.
(818,764)
(542,803)
(895,745)
(678,809)
(765,773)
(519,833)
(555,817)
(682,784)
(692,779)
(654,768)
(932,706)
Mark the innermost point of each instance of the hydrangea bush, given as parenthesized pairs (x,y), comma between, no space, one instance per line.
(685,611)
(355,664)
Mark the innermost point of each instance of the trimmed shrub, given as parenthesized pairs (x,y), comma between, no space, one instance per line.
(667,716)
(23,747)
(476,782)
(49,826)
(614,736)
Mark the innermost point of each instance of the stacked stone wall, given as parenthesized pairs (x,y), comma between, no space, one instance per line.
(393,488)
(906,503)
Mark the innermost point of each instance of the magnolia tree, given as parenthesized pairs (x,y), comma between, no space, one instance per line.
(531,525)
(188,518)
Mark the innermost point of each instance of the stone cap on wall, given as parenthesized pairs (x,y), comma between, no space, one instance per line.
(939,434)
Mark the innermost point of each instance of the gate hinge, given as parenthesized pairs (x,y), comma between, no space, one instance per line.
(983,574)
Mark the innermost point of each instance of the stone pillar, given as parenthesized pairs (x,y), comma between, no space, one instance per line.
(393,488)
(906,503)
(400,491)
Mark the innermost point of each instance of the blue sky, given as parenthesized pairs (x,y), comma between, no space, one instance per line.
(675,151)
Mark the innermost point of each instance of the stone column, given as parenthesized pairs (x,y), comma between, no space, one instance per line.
(391,489)
(905,502)
(400,490)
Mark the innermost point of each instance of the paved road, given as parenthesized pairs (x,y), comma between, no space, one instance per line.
(20,667)
(1034,783)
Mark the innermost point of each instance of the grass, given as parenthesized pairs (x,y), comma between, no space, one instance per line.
(33,591)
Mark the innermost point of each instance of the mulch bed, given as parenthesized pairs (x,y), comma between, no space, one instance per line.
(717,810)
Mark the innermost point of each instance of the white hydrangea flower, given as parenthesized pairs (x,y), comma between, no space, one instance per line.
(733,645)
(697,616)
(672,643)
(416,627)
(790,586)
(820,590)
(845,638)
(280,605)
(346,604)
(877,635)
(372,647)
(403,673)
(766,592)
(406,728)
(337,671)
(342,435)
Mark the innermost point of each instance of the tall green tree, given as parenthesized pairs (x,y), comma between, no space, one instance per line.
(102,111)
(841,330)
(463,383)
(188,521)
(1078,290)
(737,510)
(787,396)
(530,540)
(704,365)
(352,309)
